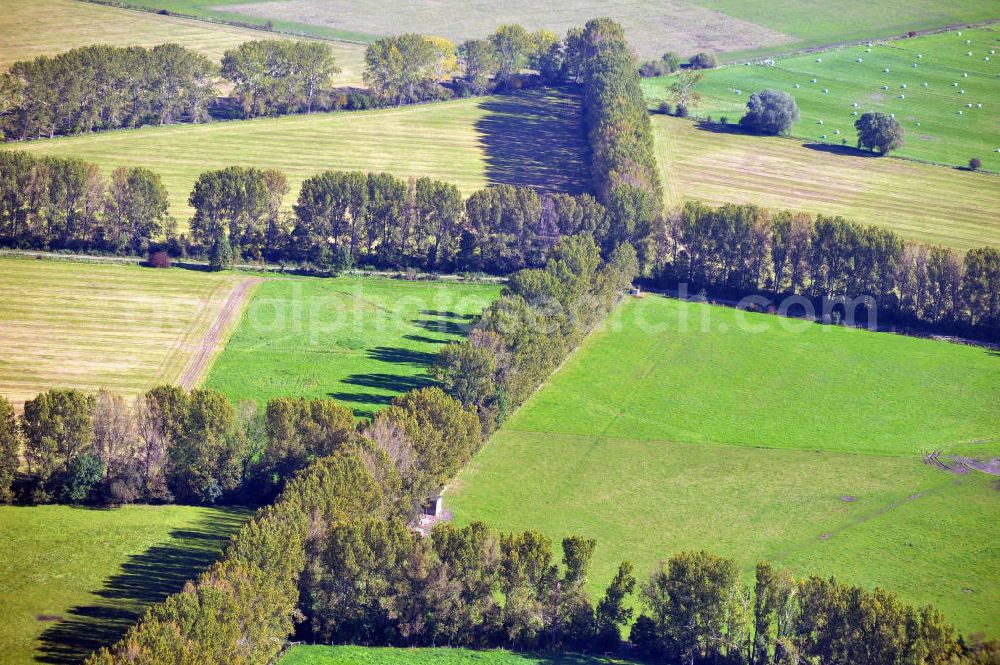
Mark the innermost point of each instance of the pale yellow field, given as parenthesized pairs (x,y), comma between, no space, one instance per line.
(86,326)
(31,28)
(931,204)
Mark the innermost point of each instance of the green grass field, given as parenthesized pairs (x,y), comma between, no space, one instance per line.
(74,579)
(931,204)
(532,139)
(359,340)
(685,26)
(939,125)
(88,326)
(675,427)
(48,27)
(350,655)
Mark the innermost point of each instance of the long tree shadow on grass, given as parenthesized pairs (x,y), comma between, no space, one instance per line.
(145,579)
(537,139)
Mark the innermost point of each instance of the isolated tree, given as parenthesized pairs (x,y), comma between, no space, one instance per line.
(479,62)
(613,611)
(58,429)
(10,450)
(704,61)
(136,209)
(221,255)
(770,112)
(671,62)
(683,93)
(879,132)
(511,46)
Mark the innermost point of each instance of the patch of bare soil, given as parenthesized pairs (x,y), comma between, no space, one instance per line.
(198,363)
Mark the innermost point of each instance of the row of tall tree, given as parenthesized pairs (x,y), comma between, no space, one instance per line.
(106,87)
(411,68)
(623,163)
(66,203)
(744,249)
(541,315)
(197,447)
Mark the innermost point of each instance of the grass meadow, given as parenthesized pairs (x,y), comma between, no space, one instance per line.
(75,579)
(931,204)
(49,27)
(360,340)
(686,26)
(90,326)
(690,426)
(350,655)
(532,139)
(939,124)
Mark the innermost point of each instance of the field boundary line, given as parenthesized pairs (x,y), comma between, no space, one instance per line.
(218,333)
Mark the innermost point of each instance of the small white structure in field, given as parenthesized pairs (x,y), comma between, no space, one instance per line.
(868,50)
(968,41)
(961,92)
(959,33)
(960,111)
(796,86)
(914,65)
(986,58)
(920,55)
(855,105)
(820,122)
(858,60)
(902,96)
(826,90)
(885,87)
(738,92)
(993,51)
(903,86)
(979,106)
(925,85)
(965,75)
(954,84)
(819,59)
(885,71)
(822,136)
(813,80)
(968,106)
(434,506)
(892,115)
(836,131)
(854,112)
(969,53)
(918,124)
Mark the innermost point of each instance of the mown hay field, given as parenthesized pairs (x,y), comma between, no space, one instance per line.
(954,118)
(359,340)
(931,204)
(75,579)
(690,426)
(685,26)
(88,326)
(48,27)
(531,139)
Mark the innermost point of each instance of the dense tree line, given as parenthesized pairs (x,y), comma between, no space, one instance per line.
(106,87)
(541,315)
(412,68)
(65,203)
(348,218)
(197,447)
(623,165)
(743,249)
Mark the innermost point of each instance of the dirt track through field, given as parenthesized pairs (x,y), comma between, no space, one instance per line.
(202,356)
